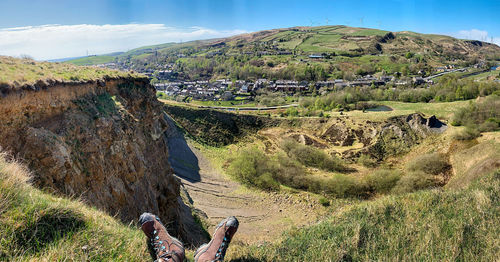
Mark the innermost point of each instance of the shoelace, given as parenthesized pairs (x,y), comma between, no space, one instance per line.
(158,246)
(221,252)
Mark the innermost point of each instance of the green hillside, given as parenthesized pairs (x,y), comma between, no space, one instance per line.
(284,53)
(93,60)
(432,225)
(37,226)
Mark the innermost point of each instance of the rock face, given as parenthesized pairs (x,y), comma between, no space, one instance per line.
(218,128)
(102,141)
(399,134)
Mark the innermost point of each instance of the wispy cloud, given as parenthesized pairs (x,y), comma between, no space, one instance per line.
(59,41)
(476,34)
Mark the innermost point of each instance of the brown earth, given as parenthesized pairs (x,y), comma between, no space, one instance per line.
(101,141)
(213,197)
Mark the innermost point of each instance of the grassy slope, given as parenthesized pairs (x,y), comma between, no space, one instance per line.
(327,39)
(24,71)
(436,225)
(442,110)
(93,60)
(38,226)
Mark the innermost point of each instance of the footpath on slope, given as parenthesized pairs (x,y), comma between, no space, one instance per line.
(262,216)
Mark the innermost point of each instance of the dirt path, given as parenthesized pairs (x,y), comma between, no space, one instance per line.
(262,216)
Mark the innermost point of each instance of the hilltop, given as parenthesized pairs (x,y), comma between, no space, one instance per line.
(22,72)
(310,53)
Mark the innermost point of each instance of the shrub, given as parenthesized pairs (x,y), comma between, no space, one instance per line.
(489,125)
(476,113)
(434,164)
(341,185)
(367,161)
(365,105)
(253,168)
(383,180)
(413,181)
(468,133)
(324,202)
(291,173)
(292,111)
(311,156)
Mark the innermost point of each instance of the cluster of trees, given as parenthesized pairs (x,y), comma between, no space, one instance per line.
(450,88)
(249,67)
(477,117)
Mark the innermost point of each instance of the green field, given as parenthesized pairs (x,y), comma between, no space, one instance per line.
(93,60)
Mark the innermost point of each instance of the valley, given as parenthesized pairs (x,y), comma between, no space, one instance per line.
(328,143)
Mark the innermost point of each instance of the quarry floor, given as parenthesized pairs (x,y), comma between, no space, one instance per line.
(263,216)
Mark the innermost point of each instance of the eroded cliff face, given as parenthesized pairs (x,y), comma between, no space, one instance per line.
(102,141)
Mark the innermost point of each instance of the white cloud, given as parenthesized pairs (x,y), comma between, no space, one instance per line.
(476,34)
(60,41)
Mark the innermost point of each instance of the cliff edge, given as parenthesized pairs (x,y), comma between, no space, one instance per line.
(100,140)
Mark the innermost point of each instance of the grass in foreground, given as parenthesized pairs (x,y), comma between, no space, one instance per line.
(37,226)
(433,225)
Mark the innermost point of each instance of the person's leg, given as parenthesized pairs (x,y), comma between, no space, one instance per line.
(215,250)
(165,247)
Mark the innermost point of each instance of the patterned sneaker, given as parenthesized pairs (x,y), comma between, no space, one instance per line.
(165,247)
(215,250)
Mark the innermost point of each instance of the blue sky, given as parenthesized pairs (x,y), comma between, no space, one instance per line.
(58,28)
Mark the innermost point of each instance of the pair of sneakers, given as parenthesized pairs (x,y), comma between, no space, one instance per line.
(167,248)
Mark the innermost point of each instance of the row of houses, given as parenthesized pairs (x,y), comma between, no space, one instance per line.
(225,89)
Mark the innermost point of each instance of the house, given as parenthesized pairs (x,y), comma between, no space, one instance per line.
(327,84)
(227,95)
(401,83)
(418,80)
(164,74)
(160,86)
(239,83)
(261,83)
(244,88)
(441,69)
(387,78)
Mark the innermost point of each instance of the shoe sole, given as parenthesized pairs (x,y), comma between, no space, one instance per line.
(204,247)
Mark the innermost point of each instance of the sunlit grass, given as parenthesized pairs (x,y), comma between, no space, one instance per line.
(18,72)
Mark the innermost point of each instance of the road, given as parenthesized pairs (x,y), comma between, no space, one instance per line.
(250,108)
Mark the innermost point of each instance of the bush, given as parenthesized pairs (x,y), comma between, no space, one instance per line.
(365,105)
(468,133)
(477,113)
(489,125)
(292,111)
(291,173)
(311,156)
(383,180)
(434,164)
(340,185)
(413,181)
(324,202)
(253,168)
(367,161)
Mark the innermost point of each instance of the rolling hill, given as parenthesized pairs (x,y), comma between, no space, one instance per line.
(337,48)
